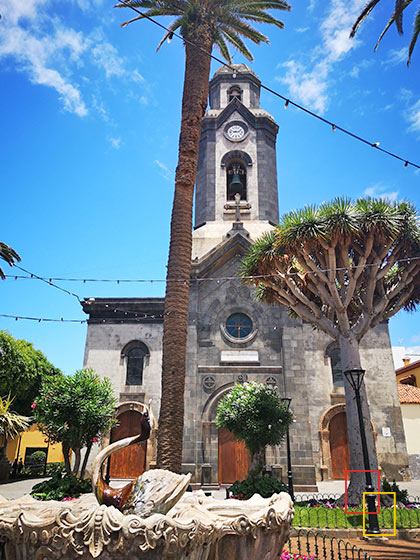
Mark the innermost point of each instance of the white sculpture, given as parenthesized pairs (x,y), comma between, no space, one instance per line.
(150,518)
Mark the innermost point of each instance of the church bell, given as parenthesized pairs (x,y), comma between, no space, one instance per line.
(236,182)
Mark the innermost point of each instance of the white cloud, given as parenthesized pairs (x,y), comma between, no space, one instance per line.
(308,83)
(355,71)
(34,55)
(307,87)
(379,191)
(106,56)
(396,56)
(51,53)
(164,170)
(115,142)
(413,116)
(415,339)
(302,29)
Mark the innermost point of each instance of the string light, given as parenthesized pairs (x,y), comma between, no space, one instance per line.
(183,280)
(286,104)
(266,88)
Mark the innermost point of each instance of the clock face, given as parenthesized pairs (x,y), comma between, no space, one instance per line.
(235,132)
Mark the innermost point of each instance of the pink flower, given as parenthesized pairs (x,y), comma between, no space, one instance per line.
(94,440)
(33,405)
(67,499)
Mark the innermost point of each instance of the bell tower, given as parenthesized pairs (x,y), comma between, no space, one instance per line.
(237,156)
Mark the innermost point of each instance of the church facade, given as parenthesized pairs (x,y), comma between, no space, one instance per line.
(231,337)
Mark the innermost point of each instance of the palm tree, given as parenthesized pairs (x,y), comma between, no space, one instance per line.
(344,267)
(11,423)
(396,17)
(9,255)
(202,24)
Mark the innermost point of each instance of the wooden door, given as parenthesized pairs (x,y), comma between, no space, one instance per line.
(131,461)
(234,458)
(339,445)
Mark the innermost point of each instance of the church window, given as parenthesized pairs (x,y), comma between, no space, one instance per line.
(239,325)
(235,93)
(135,353)
(333,353)
(236,180)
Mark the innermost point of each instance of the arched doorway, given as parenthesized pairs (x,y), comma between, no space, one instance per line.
(339,446)
(131,461)
(234,458)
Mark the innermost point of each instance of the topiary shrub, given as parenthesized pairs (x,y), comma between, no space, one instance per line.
(61,488)
(36,458)
(265,486)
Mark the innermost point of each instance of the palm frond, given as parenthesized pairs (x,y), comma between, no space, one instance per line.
(222,46)
(236,41)
(9,255)
(416,31)
(362,16)
(11,423)
(405,3)
(171,29)
(259,16)
(398,15)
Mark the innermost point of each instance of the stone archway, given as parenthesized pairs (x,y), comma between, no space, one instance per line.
(333,418)
(222,459)
(324,434)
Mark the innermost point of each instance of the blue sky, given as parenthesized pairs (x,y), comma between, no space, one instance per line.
(90,122)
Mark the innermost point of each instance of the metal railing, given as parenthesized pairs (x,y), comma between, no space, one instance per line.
(309,543)
(335,518)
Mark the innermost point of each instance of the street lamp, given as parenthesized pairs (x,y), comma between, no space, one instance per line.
(355,378)
(287,401)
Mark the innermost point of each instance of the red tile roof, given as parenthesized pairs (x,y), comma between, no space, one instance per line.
(408,394)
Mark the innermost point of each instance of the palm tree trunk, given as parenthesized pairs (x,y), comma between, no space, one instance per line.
(175,324)
(66,452)
(85,460)
(350,359)
(76,465)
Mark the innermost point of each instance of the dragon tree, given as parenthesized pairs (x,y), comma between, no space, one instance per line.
(343,267)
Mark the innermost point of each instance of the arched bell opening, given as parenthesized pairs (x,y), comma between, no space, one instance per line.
(236,180)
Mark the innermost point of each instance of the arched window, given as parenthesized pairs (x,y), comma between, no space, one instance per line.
(235,92)
(236,180)
(333,353)
(134,354)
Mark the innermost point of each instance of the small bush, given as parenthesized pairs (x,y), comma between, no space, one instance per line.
(402,495)
(60,488)
(264,486)
(55,468)
(37,458)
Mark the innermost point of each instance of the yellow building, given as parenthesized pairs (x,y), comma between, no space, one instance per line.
(30,441)
(408,379)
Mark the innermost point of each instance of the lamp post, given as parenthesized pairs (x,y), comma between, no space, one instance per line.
(355,378)
(287,401)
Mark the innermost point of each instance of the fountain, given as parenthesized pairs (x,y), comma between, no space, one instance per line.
(150,518)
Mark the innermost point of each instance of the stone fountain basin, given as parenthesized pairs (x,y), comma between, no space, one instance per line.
(196,528)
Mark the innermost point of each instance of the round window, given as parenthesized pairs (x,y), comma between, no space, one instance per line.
(239,325)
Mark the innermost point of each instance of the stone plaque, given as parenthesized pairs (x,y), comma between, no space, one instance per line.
(239,356)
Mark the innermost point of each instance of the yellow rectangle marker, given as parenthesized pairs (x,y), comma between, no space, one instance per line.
(364,517)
